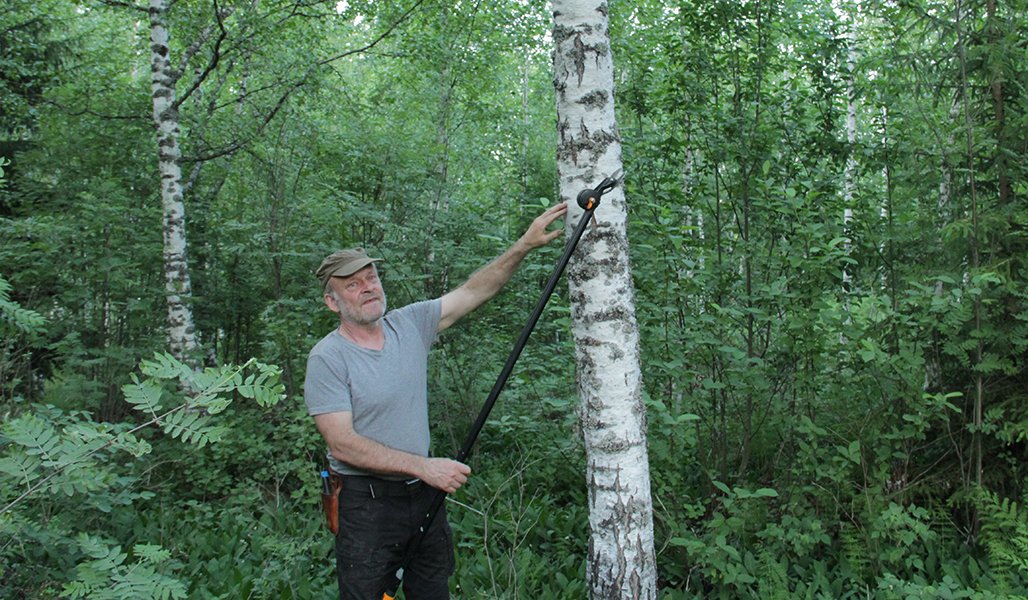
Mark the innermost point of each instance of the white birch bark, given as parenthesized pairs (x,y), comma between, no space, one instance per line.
(181,334)
(849,182)
(621,562)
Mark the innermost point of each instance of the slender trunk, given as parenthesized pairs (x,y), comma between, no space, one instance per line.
(440,199)
(181,334)
(979,392)
(933,366)
(693,215)
(849,182)
(622,561)
(998,109)
(525,124)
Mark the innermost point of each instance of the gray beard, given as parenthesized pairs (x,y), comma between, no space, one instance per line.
(359,319)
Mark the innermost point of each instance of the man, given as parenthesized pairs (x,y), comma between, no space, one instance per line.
(367,389)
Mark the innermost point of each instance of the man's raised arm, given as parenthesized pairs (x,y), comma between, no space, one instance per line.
(487,281)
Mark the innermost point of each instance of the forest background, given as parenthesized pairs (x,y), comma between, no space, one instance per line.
(828,236)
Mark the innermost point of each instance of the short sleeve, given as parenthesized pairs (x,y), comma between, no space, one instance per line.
(325,388)
(425,315)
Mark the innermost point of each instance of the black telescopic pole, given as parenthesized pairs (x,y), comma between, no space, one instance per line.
(589,200)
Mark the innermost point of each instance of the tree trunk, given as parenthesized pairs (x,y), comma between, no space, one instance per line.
(850,174)
(621,561)
(993,34)
(181,335)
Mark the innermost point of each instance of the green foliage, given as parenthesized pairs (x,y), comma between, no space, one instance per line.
(1005,537)
(813,380)
(58,465)
(108,574)
(15,319)
(20,332)
(520,523)
(31,55)
(39,456)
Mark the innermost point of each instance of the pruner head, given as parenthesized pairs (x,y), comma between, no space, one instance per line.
(590,198)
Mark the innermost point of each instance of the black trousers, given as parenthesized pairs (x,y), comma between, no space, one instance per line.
(377,522)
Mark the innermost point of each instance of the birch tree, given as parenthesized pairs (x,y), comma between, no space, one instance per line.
(621,562)
(177,285)
(213,71)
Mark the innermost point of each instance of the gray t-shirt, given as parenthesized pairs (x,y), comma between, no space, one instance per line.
(386,390)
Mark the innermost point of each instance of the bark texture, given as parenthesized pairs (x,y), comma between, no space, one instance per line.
(181,333)
(621,561)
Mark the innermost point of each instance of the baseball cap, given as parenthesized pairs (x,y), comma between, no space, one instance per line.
(343,263)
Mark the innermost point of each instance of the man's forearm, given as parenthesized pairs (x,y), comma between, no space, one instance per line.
(487,281)
(369,455)
(490,279)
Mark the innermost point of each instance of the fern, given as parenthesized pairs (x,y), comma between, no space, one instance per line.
(855,550)
(13,316)
(773,582)
(1004,533)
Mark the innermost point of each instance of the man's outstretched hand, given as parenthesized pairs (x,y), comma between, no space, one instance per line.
(537,234)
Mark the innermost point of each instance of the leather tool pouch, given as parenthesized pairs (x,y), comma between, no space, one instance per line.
(330,502)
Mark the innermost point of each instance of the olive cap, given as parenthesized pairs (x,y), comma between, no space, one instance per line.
(343,263)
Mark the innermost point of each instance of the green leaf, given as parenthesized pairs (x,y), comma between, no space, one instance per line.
(192,427)
(151,553)
(144,396)
(133,445)
(38,437)
(23,467)
(853,451)
(165,366)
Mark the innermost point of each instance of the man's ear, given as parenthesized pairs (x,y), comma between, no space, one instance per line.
(330,302)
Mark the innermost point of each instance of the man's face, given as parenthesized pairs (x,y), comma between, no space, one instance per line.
(359,298)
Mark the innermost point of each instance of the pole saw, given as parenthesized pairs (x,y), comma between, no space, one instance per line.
(588,199)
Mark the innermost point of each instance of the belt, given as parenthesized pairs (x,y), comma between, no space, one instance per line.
(377,488)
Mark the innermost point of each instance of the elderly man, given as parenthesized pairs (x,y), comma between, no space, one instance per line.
(367,389)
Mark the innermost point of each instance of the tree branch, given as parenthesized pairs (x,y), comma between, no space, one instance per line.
(193,49)
(406,15)
(295,85)
(129,5)
(88,111)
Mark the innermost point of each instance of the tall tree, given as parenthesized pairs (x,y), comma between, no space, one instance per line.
(181,332)
(621,554)
(221,61)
